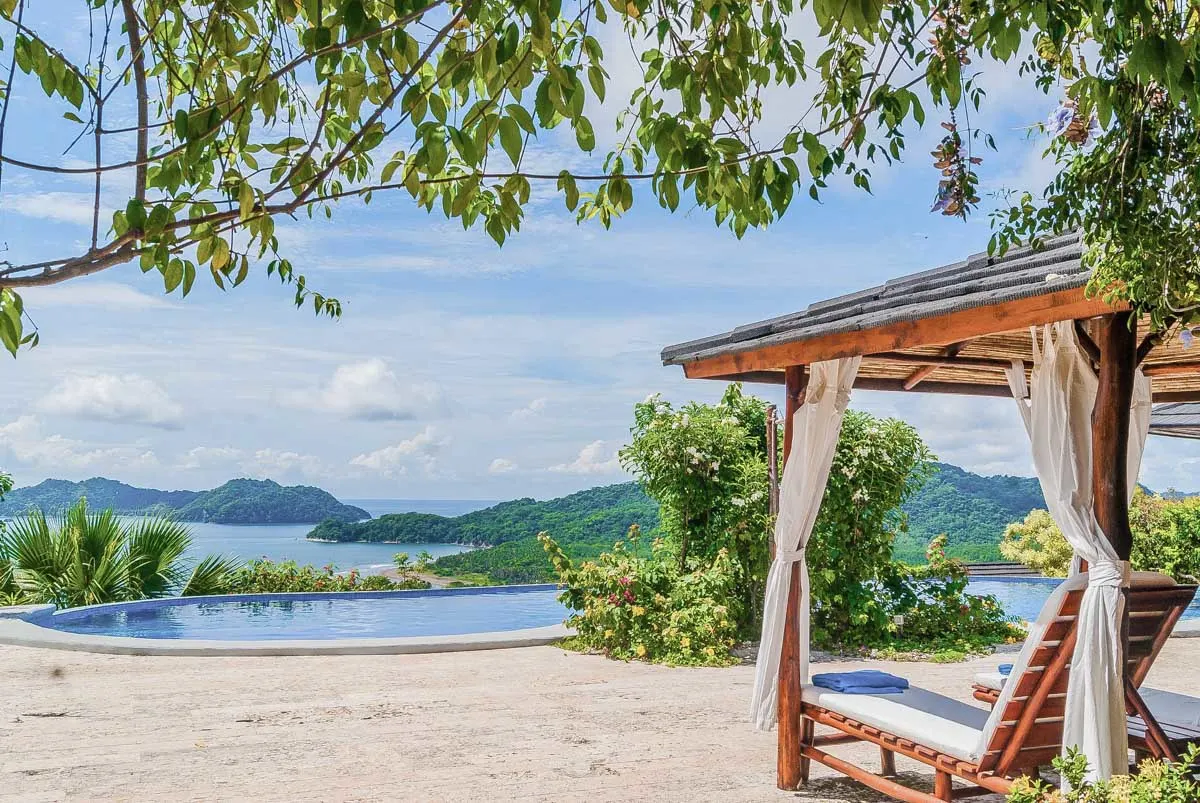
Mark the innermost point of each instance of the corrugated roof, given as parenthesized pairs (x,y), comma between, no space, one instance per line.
(978,281)
(1178,420)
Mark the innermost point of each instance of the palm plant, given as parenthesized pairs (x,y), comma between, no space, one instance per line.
(90,558)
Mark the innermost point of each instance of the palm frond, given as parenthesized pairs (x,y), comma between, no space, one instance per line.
(155,547)
(210,576)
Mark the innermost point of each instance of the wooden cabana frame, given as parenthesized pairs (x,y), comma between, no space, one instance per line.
(952,330)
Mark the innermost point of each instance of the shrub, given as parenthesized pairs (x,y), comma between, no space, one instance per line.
(1038,543)
(938,615)
(270,577)
(88,558)
(878,464)
(630,606)
(1155,782)
(1166,538)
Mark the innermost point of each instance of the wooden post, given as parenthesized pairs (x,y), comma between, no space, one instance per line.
(1117,340)
(1116,337)
(790,769)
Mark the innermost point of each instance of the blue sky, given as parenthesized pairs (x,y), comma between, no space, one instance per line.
(459,369)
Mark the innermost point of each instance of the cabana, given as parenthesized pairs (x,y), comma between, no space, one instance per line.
(1019,326)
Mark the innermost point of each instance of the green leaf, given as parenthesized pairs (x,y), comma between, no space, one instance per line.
(135,214)
(584,134)
(596,79)
(566,183)
(511,139)
(172,275)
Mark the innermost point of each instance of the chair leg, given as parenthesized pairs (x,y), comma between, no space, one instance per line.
(943,786)
(807,731)
(887,762)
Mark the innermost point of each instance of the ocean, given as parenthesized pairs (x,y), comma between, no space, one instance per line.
(286,541)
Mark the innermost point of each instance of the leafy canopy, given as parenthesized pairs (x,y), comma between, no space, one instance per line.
(217,119)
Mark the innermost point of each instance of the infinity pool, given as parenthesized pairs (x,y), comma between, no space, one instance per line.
(1023,597)
(388,614)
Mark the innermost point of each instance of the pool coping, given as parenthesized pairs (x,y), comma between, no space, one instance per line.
(19,627)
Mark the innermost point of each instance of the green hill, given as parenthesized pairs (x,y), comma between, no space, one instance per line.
(584,523)
(971,509)
(236,502)
(267,502)
(603,513)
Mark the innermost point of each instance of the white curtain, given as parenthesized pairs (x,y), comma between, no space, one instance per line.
(1057,417)
(815,428)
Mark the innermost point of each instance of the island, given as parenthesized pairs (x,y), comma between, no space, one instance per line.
(239,501)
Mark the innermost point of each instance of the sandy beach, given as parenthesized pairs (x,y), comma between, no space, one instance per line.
(523,724)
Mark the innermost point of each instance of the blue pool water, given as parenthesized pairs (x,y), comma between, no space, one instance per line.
(270,617)
(1023,597)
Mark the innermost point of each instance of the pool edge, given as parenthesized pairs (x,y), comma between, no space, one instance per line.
(21,633)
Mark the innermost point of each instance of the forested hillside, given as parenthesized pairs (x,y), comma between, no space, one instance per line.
(236,502)
(603,513)
(972,510)
(584,524)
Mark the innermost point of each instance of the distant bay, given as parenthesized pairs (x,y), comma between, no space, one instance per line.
(286,541)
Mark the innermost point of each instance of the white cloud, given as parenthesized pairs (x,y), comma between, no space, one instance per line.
(369,390)
(595,458)
(102,295)
(276,464)
(127,399)
(502,465)
(210,456)
(28,444)
(530,410)
(61,207)
(394,461)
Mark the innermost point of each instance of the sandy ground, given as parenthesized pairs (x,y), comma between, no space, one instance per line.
(524,724)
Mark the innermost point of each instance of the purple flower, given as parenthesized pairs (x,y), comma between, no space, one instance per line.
(1093,129)
(1060,119)
(945,193)
(1186,338)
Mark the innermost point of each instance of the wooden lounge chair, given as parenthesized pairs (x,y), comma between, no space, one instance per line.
(1155,606)
(1022,732)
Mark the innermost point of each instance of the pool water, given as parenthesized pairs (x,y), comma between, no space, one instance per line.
(320,616)
(1023,597)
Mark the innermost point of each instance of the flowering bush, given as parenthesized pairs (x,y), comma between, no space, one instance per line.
(878,464)
(269,577)
(937,613)
(632,606)
(1155,782)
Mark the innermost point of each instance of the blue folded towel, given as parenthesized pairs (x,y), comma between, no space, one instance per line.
(1005,669)
(864,681)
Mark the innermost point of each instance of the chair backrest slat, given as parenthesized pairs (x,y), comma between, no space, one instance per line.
(1026,731)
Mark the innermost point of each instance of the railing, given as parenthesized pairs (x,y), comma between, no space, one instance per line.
(1002,568)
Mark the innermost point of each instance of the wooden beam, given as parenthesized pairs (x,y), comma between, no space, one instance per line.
(789,767)
(953,388)
(753,377)
(1172,369)
(940,360)
(922,373)
(1086,342)
(1148,345)
(941,330)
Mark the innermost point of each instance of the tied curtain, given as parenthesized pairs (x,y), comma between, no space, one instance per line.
(815,428)
(1057,414)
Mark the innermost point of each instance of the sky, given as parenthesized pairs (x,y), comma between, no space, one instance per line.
(460,369)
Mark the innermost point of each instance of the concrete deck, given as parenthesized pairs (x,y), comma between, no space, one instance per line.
(524,724)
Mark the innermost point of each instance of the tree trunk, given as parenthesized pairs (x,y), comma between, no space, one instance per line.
(788,772)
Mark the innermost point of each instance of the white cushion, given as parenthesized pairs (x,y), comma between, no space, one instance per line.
(1171,708)
(993,680)
(949,726)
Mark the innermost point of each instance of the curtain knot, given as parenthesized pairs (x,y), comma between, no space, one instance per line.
(1109,573)
(789,556)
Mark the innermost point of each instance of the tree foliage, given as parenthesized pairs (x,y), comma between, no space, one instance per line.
(1166,538)
(249,111)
